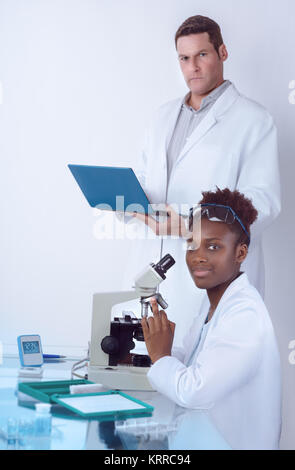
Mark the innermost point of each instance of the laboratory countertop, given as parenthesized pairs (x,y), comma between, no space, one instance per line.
(169,428)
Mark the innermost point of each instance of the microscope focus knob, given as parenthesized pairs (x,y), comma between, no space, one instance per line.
(110,345)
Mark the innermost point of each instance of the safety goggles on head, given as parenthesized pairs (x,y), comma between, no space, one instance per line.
(214,213)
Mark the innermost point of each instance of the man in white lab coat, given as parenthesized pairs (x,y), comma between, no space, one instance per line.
(229,363)
(212,136)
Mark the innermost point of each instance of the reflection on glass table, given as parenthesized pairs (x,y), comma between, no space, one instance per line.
(170,426)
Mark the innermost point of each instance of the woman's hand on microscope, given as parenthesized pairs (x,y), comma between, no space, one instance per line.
(158,333)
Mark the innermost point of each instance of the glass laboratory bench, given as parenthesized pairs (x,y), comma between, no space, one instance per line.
(169,428)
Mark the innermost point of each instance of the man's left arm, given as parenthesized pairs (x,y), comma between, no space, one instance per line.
(259,177)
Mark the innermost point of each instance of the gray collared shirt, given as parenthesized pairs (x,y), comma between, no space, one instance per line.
(187,121)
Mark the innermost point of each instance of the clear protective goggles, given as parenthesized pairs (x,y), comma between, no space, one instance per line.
(214,213)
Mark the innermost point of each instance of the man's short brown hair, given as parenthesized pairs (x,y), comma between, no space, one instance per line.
(201,24)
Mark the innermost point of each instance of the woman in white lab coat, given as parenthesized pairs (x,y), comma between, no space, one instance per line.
(230,362)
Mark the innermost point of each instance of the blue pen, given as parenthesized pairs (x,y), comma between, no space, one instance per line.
(53,356)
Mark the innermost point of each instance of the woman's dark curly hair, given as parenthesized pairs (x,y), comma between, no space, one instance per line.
(241,205)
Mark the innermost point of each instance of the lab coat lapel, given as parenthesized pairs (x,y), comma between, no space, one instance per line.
(171,123)
(197,329)
(233,288)
(218,109)
(206,124)
(158,183)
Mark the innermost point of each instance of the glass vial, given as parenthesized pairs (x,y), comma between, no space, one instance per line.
(43,419)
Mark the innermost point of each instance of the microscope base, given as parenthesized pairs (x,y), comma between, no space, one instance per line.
(121,378)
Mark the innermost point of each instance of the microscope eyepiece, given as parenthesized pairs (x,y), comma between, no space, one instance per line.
(163,265)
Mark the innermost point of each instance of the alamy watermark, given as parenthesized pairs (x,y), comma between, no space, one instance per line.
(135,222)
(292,353)
(292,93)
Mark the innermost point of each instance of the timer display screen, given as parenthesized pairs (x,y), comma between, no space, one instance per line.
(31,347)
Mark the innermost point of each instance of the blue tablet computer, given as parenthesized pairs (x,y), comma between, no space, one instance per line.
(111,188)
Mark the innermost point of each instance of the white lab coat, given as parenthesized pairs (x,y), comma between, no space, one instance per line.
(236,374)
(234,146)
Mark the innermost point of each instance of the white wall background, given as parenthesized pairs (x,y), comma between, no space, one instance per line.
(80,80)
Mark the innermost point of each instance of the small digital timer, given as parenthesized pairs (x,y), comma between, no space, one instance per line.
(30,350)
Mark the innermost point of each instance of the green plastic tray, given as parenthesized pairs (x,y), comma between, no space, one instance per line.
(54,391)
(44,391)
